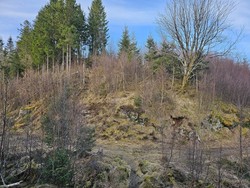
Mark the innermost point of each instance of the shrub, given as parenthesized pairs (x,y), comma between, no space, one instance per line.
(57,168)
(85,141)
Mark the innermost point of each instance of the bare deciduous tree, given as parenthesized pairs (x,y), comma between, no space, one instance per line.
(197,27)
(230,82)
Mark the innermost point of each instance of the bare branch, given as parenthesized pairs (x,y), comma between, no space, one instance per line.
(197,28)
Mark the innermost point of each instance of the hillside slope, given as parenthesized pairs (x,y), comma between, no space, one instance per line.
(143,138)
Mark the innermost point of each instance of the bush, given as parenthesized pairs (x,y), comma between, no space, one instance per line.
(57,169)
(85,141)
(138,101)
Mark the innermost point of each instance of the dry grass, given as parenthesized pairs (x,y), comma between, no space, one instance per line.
(115,82)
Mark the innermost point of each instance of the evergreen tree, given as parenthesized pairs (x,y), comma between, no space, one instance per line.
(12,63)
(128,45)
(125,42)
(97,28)
(8,56)
(152,50)
(1,51)
(59,33)
(9,49)
(24,46)
(44,36)
(81,28)
(57,168)
(167,58)
(133,49)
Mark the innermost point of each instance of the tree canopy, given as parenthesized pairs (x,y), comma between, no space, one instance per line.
(97,28)
(59,35)
(197,28)
(128,45)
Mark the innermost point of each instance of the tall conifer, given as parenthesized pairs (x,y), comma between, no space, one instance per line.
(98,28)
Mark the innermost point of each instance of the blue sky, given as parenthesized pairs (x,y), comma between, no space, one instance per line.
(139,15)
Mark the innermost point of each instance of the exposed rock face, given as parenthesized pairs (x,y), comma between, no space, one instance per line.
(211,123)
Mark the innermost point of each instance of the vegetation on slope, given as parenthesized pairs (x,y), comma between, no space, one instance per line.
(147,133)
(178,119)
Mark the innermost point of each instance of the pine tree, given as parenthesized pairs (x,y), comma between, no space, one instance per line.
(97,28)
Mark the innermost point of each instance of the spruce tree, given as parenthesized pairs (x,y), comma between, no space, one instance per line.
(45,36)
(12,63)
(1,51)
(8,56)
(59,33)
(97,28)
(125,42)
(24,46)
(134,52)
(128,45)
(9,47)
(151,49)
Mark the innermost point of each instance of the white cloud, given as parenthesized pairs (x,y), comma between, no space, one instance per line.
(144,14)
(240,16)
(16,14)
(20,9)
(121,15)
(124,12)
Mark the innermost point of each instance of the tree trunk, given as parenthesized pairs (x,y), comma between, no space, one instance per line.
(47,64)
(5,99)
(53,62)
(240,139)
(196,82)
(173,77)
(70,60)
(67,58)
(185,80)
(162,87)
(188,70)
(63,59)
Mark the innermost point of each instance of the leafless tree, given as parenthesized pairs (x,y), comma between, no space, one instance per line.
(4,124)
(197,27)
(230,82)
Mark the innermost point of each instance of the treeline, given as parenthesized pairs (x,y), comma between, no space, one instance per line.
(62,35)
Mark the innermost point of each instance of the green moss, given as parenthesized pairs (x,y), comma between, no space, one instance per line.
(226,114)
(102,176)
(144,166)
(18,126)
(123,172)
(88,184)
(245,131)
(150,181)
(228,119)
(228,108)
(138,101)
(149,168)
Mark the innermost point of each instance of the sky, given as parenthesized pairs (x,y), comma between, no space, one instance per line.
(138,15)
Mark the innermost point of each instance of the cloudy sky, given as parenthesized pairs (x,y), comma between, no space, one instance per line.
(138,15)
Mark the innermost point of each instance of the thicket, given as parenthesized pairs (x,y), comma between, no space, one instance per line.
(50,100)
